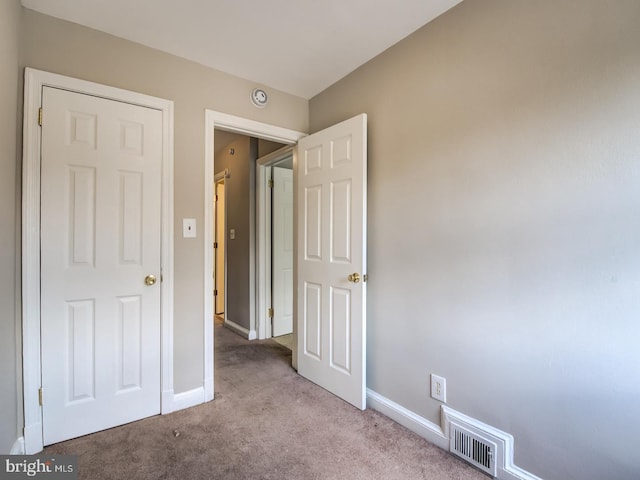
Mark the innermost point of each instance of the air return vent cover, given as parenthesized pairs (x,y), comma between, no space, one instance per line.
(473,447)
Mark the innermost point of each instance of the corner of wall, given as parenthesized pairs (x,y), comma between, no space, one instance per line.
(439,434)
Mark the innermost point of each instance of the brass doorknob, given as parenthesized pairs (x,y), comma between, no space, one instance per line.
(354,277)
(150,280)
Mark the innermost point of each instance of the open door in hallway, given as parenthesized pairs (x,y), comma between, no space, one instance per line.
(282,251)
(331,196)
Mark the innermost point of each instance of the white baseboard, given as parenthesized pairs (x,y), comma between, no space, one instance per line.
(240,330)
(18,447)
(414,422)
(507,470)
(248,334)
(516,473)
(187,399)
(439,435)
(170,403)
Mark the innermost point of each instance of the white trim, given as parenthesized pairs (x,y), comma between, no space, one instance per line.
(263,245)
(240,330)
(506,468)
(513,472)
(243,126)
(294,349)
(33,442)
(220,178)
(439,434)
(276,156)
(188,399)
(35,80)
(18,447)
(414,422)
(166,401)
(263,236)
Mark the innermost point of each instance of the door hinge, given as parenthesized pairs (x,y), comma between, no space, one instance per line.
(215,293)
(40,116)
(40,396)
(271,183)
(270,313)
(215,244)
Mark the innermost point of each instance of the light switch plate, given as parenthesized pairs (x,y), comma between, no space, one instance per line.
(189,228)
(232,234)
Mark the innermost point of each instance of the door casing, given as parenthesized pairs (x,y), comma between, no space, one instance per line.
(257,268)
(263,256)
(35,80)
(220,270)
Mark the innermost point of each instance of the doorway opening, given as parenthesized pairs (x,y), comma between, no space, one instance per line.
(236,159)
(279,244)
(218,125)
(329,259)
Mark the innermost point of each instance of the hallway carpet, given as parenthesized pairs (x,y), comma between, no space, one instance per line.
(266,422)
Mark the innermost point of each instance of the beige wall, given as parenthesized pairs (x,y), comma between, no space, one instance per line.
(240,216)
(504,224)
(10,410)
(69,49)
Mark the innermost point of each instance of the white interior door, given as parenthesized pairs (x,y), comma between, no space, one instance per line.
(220,246)
(332,179)
(100,244)
(282,217)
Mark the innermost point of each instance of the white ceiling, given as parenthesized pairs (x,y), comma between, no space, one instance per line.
(297,46)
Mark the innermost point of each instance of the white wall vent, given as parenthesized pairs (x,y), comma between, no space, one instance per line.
(483,446)
(473,447)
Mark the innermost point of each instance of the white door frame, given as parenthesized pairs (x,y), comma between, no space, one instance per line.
(35,80)
(220,178)
(263,217)
(255,129)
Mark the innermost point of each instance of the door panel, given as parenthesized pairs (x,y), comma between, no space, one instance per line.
(332,189)
(129,342)
(313,223)
(100,238)
(341,329)
(341,222)
(312,321)
(80,368)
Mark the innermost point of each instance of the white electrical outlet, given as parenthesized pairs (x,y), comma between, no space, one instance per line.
(439,388)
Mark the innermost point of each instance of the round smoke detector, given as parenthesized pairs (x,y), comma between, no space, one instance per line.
(259,97)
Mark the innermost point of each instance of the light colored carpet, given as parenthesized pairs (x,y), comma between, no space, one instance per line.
(286,340)
(266,422)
